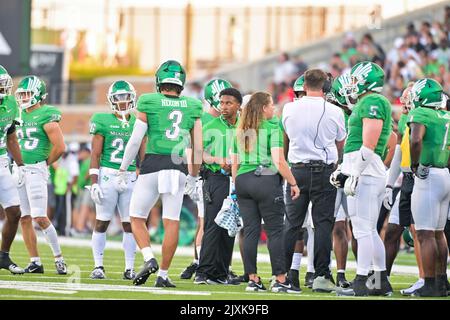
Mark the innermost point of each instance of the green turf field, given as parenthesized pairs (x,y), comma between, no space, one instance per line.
(78,285)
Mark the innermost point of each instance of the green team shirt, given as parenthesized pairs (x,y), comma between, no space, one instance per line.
(115,138)
(218,140)
(8,112)
(346,117)
(170,120)
(372,106)
(206,118)
(401,127)
(270,136)
(34,143)
(436,141)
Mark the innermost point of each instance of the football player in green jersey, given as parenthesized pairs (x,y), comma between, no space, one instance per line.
(171,122)
(111,132)
(9,197)
(211,94)
(369,129)
(430,150)
(41,143)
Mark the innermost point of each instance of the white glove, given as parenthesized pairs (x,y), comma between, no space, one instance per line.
(96,193)
(121,181)
(334,178)
(19,175)
(388,200)
(191,188)
(350,185)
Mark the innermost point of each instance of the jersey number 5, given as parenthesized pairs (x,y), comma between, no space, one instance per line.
(176,116)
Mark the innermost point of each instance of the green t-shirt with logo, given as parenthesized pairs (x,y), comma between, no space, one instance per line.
(34,142)
(436,141)
(372,106)
(170,120)
(8,113)
(269,136)
(218,140)
(116,136)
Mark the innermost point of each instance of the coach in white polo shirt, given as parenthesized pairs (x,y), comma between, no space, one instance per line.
(315,135)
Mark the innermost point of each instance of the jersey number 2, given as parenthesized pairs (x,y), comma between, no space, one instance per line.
(118,144)
(176,116)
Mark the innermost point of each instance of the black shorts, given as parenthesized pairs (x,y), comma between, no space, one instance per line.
(404,205)
(157,162)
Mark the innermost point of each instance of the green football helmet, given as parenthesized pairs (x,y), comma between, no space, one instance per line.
(30,91)
(407,237)
(365,76)
(299,85)
(122,92)
(170,71)
(339,92)
(426,93)
(6,83)
(212,92)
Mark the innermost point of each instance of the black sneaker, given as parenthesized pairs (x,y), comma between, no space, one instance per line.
(428,289)
(293,276)
(33,267)
(129,274)
(342,281)
(6,263)
(243,278)
(200,279)
(151,266)
(358,288)
(286,287)
(98,273)
(164,283)
(61,267)
(441,285)
(189,271)
(384,287)
(232,274)
(309,279)
(255,286)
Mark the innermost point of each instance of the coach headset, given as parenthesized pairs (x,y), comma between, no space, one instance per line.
(326,88)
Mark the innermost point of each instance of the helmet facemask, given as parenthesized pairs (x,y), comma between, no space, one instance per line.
(5,85)
(122,103)
(25,98)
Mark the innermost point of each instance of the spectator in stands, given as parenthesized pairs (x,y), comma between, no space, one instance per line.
(285,70)
(375,50)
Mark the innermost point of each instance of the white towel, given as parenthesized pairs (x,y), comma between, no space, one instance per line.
(168,181)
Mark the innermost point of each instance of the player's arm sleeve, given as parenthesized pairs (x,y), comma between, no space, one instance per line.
(133,145)
(341,132)
(12,128)
(394,170)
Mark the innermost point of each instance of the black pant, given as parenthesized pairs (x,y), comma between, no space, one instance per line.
(60,214)
(404,205)
(262,198)
(316,188)
(217,245)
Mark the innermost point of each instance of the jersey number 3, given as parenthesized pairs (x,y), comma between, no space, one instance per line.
(176,116)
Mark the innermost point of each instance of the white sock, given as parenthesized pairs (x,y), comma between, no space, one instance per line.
(59,259)
(340,271)
(296,261)
(163,273)
(198,251)
(147,253)
(379,252)
(129,247)
(52,239)
(365,255)
(310,248)
(36,260)
(98,247)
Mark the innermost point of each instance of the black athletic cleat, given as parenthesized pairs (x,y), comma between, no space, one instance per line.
(243,278)
(441,285)
(429,289)
(255,286)
(33,267)
(358,289)
(151,266)
(309,279)
(164,283)
(201,279)
(6,263)
(129,274)
(61,267)
(384,287)
(294,277)
(189,271)
(342,281)
(285,287)
(98,273)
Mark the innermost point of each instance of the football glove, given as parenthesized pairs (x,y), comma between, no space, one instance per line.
(350,185)
(96,193)
(121,181)
(19,175)
(388,200)
(191,188)
(422,172)
(337,178)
